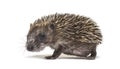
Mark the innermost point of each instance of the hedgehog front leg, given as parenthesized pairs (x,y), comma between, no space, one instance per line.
(56,53)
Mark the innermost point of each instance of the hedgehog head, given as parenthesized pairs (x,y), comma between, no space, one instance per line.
(39,36)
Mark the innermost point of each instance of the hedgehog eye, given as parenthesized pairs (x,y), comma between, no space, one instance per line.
(41,36)
(52,26)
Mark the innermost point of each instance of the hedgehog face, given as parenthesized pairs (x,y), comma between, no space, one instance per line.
(39,37)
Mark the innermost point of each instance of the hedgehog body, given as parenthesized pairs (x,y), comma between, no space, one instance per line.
(66,33)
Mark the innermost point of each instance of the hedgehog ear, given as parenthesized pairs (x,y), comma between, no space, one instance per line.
(52,26)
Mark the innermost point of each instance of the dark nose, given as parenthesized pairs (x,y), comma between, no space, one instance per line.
(30,48)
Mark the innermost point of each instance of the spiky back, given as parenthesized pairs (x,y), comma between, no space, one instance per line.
(72,27)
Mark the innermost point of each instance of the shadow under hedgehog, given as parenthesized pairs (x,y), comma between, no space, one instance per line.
(65,33)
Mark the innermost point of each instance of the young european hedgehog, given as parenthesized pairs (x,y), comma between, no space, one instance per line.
(66,33)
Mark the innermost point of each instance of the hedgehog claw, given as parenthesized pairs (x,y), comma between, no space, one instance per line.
(50,57)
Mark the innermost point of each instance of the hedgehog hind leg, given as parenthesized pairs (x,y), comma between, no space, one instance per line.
(82,53)
(86,51)
(90,55)
(93,54)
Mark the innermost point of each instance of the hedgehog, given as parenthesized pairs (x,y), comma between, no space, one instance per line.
(66,33)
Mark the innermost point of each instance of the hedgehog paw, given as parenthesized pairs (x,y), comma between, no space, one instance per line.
(50,57)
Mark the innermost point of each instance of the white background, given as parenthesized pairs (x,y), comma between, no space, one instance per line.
(16,15)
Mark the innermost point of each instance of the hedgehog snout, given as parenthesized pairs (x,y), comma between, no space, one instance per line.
(30,44)
(30,48)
